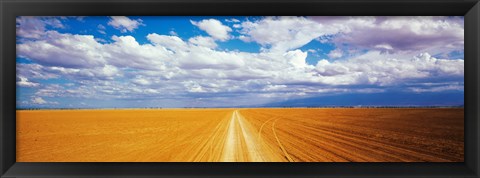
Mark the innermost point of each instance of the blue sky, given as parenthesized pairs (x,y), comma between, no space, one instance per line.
(197,61)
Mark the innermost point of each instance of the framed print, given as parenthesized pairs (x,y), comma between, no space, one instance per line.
(227,88)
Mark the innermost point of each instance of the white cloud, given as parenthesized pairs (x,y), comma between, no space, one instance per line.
(167,66)
(296,58)
(383,69)
(101,29)
(67,50)
(200,58)
(24,82)
(169,42)
(214,28)
(126,52)
(245,38)
(435,35)
(437,88)
(232,20)
(193,87)
(141,81)
(38,100)
(203,41)
(41,101)
(169,58)
(195,56)
(80,18)
(34,27)
(284,33)
(124,24)
(109,71)
(275,88)
(30,27)
(336,53)
(172,33)
(53,22)
(35,71)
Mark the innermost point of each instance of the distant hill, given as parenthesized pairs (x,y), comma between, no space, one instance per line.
(387,99)
(376,99)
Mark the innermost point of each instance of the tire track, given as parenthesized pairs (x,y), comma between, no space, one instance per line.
(308,136)
(261,127)
(280,144)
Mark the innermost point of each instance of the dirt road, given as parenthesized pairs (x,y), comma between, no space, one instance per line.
(243,144)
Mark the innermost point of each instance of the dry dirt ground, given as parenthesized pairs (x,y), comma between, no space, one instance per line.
(241,135)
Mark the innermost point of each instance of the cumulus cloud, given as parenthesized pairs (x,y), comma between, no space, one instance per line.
(169,57)
(126,52)
(169,42)
(296,58)
(124,24)
(175,68)
(399,34)
(284,33)
(214,28)
(24,82)
(57,49)
(34,27)
(38,100)
(379,69)
(29,27)
(41,101)
(195,55)
(141,81)
(336,53)
(35,71)
(436,35)
(203,41)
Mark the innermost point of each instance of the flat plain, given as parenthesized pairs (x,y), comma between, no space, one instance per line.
(242,135)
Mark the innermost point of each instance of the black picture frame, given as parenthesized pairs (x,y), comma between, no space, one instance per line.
(9,9)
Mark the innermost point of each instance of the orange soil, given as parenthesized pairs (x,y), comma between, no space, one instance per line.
(362,135)
(259,135)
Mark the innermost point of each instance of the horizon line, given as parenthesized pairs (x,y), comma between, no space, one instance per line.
(120,108)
